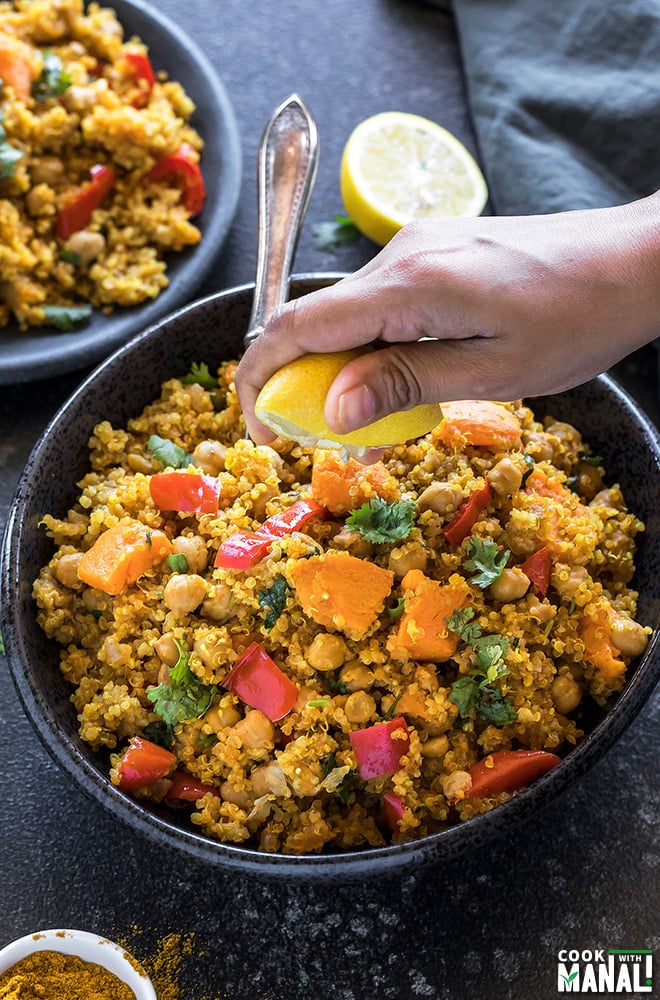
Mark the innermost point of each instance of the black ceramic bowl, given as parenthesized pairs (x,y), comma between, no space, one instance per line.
(212,330)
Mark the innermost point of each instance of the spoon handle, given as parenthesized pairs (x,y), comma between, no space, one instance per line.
(287,162)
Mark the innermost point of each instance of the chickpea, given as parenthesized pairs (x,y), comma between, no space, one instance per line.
(184,593)
(327,652)
(505,477)
(306,694)
(66,569)
(629,637)
(139,463)
(588,480)
(568,580)
(511,585)
(443,498)
(219,603)
(40,200)
(211,649)
(359,707)
(566,433)
(86,245)
(209,456)
(540,612)
(565,693)
(48,170)
(220,718)
(356,676)
(608,498)
(539,446)
(268,779)
(412,556)
(199,399)
(237,796)
(90,599)
(166,649)
(194,549)
(256,730)
(77,98)
(353,542)
(456,785)
(437,746)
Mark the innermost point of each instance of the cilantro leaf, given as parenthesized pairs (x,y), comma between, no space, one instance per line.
(274,599)
(53,81)
(490,652)
(340,232)
(465,694)
(67,317)
(184,697)
(398,609)
(178,563)
(484,560)
(158,733)
(379,521)
(495,709)
(200,374)
(168,453)
(461,621)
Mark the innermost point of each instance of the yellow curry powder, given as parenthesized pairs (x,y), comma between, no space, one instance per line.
(50,975)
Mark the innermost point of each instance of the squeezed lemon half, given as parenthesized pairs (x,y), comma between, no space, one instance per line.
(292,400)
(397,167)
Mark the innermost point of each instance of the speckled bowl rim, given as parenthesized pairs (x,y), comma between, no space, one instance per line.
(344,866)
(38,354)
(87,946)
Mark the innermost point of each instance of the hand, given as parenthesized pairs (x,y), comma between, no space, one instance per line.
(489,308)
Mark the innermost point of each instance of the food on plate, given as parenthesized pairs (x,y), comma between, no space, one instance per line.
(99,166)
(291,404)
(305,655)
(397,167)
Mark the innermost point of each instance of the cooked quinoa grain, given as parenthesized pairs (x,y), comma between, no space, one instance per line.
(91,199)
(304,679)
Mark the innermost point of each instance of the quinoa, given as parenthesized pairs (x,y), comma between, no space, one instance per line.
(89,103)
(295,782)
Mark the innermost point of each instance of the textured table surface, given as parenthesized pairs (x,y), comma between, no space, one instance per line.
(585,873)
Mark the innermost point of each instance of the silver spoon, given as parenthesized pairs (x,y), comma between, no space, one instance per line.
(287,163)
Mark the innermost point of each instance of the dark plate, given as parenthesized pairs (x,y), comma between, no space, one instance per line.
(40,353)
(211,330)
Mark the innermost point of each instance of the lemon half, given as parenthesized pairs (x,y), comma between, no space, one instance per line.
(397,167)
(292,400)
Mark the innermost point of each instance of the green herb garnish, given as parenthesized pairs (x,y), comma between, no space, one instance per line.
(70,256)
(199,374)
(474,693)
(158,733)
(274,599)
(2,645)
(339,687)
(67,317)
(9,155)
(340,232)
(484,560)
(178,563)
(168,453)
(390,712)
(184,696)
(318,703)
(379,521)
(529,462)
(398,609)
(590,459)
(53,81)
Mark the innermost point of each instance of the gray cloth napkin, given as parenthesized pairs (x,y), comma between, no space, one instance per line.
(565,99)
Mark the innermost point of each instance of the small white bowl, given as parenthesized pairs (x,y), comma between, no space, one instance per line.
(88,947)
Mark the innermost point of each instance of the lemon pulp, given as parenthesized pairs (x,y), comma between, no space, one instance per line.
(397,167)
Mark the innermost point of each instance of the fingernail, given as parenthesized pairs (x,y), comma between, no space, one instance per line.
(356,407)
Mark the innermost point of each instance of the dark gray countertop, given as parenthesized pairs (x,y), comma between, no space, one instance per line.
(585,873)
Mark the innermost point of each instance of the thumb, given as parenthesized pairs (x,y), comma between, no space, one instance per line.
(406,375)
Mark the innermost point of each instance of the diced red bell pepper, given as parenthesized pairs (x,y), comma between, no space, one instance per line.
(259,682)
(143,763)
(376,752)
(285,522)
(538,568)
(508,770)
(186,786)
(140,68)
(187,492)
(244,549)
(181,167)
(75,214)
(465,517)
(393,807)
